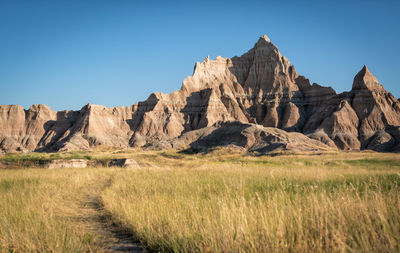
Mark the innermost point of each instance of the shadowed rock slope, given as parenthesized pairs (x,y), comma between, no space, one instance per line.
(259,91)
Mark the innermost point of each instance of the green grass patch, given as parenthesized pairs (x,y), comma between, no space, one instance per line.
(374,163)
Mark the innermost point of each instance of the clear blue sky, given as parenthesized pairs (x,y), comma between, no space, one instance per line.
(68,53)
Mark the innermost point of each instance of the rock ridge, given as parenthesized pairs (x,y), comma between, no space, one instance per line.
(259,88)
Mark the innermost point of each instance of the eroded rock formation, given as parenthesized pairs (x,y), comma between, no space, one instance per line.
(260,87)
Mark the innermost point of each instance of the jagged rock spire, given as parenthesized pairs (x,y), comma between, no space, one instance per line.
(265,37)
(366,80)
(264,41)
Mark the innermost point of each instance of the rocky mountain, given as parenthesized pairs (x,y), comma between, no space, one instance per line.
(256,101)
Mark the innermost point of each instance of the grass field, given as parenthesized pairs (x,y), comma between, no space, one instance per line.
(217,202)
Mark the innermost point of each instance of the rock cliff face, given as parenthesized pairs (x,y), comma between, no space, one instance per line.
(260,87)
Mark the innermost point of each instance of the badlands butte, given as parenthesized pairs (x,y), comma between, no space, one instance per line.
(257,102)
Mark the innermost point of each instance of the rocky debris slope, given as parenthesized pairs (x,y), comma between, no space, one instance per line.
(260,87)
(247,136)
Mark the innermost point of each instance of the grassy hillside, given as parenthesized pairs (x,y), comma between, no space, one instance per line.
(221,201)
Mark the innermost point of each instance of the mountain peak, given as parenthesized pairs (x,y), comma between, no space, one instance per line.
(366,80)
(265,37)
(263,41)
(365,70)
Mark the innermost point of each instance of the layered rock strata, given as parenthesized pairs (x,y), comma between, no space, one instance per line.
(260,87)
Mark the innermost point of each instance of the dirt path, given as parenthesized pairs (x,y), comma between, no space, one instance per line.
(96,219)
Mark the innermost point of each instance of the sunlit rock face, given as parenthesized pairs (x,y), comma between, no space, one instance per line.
(260,87)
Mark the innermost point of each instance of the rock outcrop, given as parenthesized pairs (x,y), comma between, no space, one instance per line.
(126,163)
(67,163)
(247,136)
(259,89)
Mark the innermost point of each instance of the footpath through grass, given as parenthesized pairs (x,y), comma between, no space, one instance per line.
(218,202)
(40,210)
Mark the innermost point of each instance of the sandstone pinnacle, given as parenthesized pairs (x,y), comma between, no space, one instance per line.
(265,37)
(366,80)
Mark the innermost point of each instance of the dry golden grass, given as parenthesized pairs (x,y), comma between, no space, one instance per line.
(41,210)
(233,203)
(216,202)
